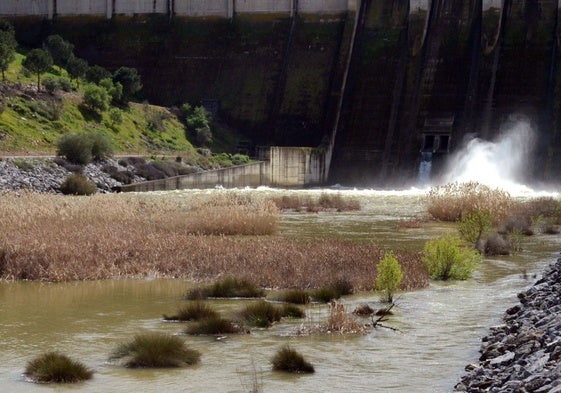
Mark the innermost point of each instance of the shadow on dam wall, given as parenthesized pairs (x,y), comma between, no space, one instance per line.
(390,86)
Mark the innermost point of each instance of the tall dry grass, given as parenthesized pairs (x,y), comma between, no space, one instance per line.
(450,202)
(56,238)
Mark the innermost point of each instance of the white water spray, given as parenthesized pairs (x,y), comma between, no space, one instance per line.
(501,163)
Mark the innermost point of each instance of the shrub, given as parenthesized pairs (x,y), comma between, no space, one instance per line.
(234,287)
(192,312)
(363,310)
(115,116)
(289,360)
(65,84)
(82,148)
(96,98)
(388,276)
(294,295)
(155,350)
(214,325)
(452,201)
(473,225)
(77,184)
(56,367)
(446,259)
(497,244)
(261,314)
(292,311)
(332,291)
(51,84)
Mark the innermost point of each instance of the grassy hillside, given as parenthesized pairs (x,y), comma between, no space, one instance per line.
(31,122)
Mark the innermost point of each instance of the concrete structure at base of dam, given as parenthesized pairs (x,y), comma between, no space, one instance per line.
(286,167)
(182,8)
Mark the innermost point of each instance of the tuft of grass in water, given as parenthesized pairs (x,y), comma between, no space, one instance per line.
(289,360)
(325,202)
(56,367)
(155,350)
(192,311)
(228,287)
(293,311)
(262,313)
(293,295)
(214,325)
(332,291)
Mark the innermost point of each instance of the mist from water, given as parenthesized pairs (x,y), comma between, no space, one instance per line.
(501,163)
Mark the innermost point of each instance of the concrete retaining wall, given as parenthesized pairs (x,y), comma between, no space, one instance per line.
(191,8)
(288,167)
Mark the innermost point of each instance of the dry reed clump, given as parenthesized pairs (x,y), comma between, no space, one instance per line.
(325,202)
(56,238)
(338,321)
(450,202)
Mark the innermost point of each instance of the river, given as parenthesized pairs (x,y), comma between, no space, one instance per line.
(439,327)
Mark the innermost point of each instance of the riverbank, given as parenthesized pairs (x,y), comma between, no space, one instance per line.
(522,355)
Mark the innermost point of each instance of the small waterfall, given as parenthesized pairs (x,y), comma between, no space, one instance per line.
(425,168)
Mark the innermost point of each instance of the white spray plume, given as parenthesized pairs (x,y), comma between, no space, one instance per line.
(501,163)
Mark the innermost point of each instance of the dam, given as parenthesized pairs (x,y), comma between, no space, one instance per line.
(379,87)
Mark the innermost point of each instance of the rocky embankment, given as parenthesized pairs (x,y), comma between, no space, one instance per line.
(523,354)
(47,174)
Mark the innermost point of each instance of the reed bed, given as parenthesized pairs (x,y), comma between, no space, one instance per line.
(325,202)
(54,238)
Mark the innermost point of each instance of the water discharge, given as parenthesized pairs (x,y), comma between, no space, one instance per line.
(501,163)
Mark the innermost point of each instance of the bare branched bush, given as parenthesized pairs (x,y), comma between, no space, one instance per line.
(450,202)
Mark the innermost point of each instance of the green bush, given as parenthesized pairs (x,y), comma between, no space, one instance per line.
(56,367)
(388,276)
(155,350)
(51,84)
(96,98)
(445,259)
(289,360)
(82,148)
(77,184)
(473,225)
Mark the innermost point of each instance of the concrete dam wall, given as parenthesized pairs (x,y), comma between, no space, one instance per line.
(189,8)
(379,85)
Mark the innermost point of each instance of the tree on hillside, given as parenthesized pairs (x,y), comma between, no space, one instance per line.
(8,45)
(96,73)
(59,48)
(38,61)
(96,98)
(76,67)
(130,80)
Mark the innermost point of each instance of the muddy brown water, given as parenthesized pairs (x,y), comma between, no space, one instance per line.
(440,327)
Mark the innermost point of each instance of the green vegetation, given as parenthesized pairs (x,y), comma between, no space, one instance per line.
(77,184)
(155,350)
(474,224)
(289,360)
(8,45)
(85,147)
(193,311)
(56,367)
(96,98)
(294,296)
(332,291)
(228,287)
(263,314)
(446,259)
(388,276)
(38,61)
